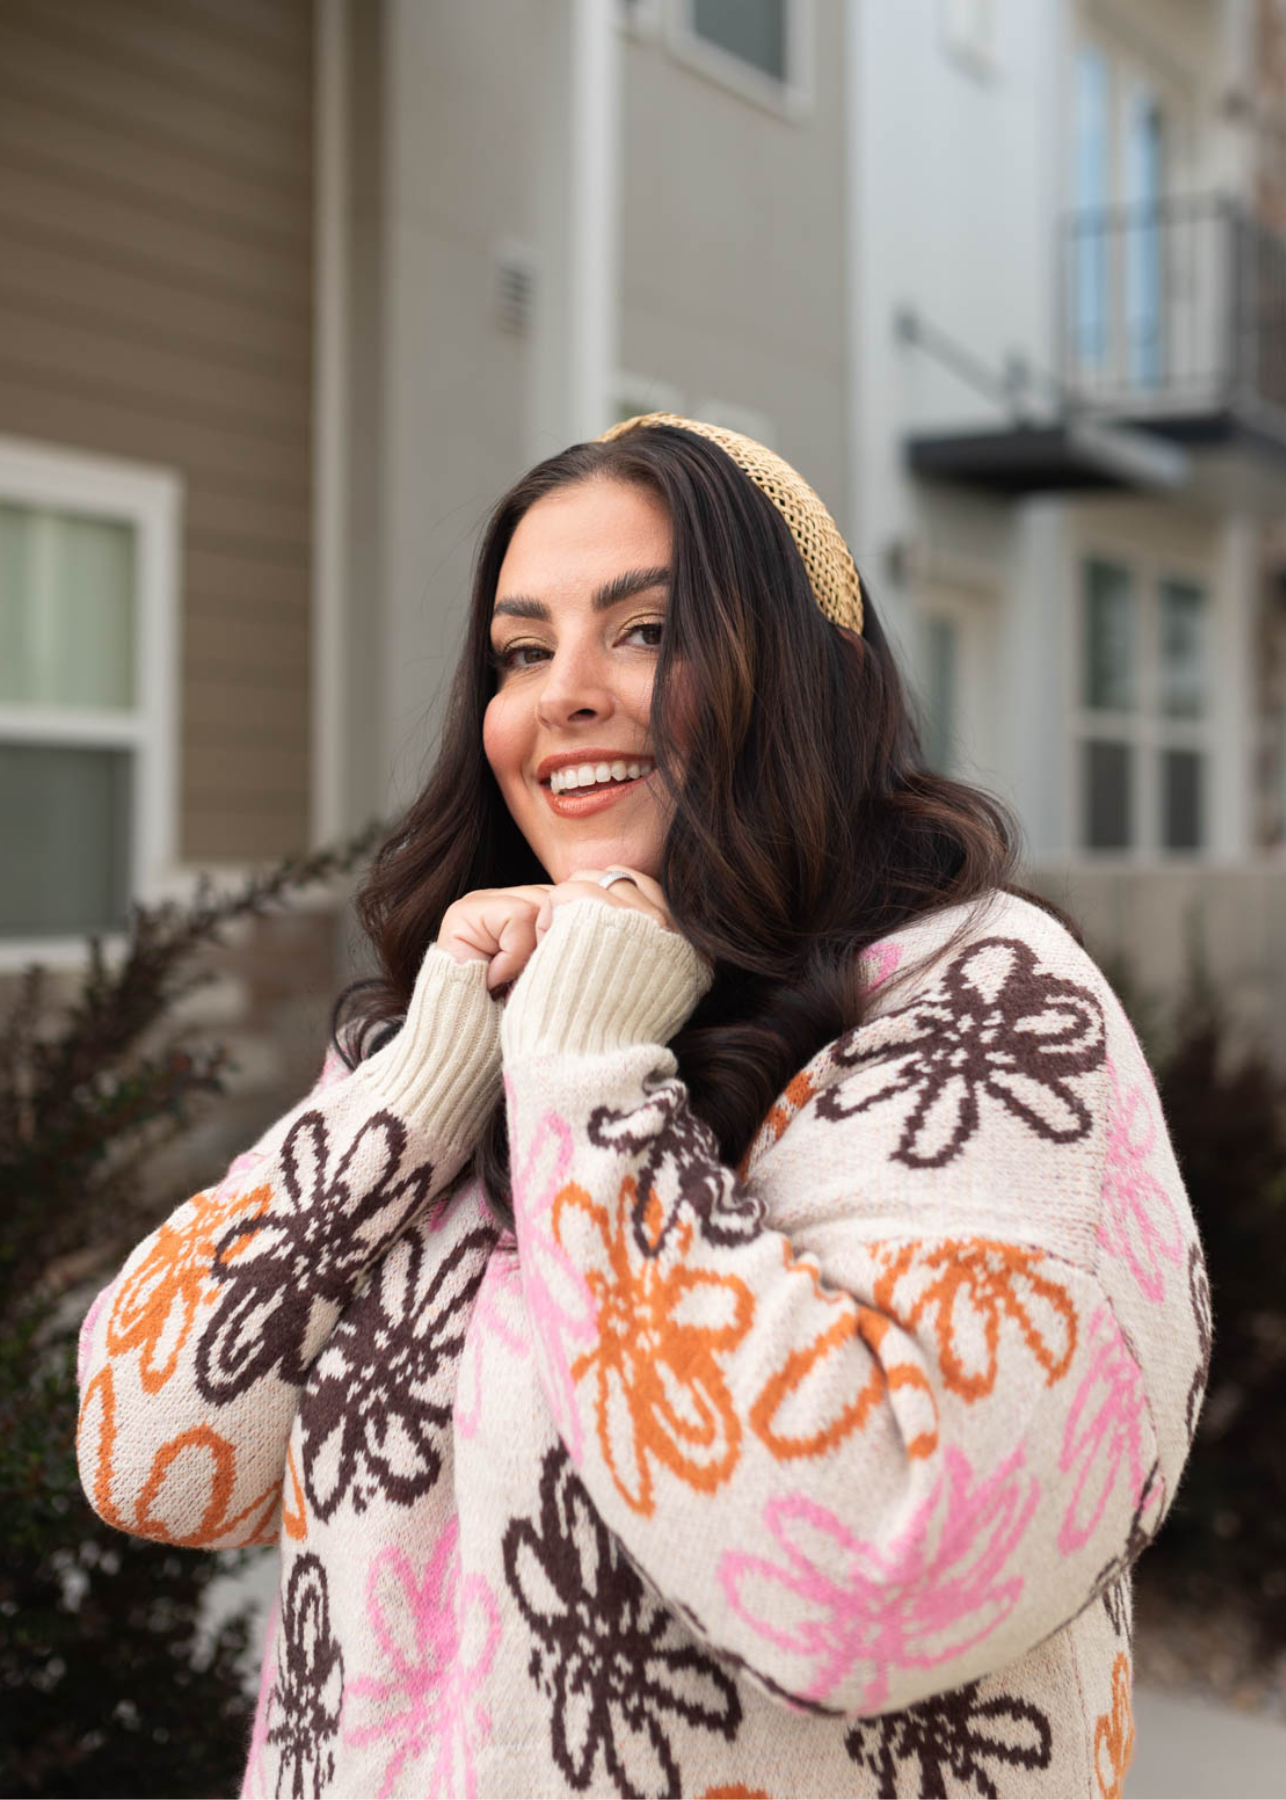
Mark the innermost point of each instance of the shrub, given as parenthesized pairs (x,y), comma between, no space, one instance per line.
(109,1684)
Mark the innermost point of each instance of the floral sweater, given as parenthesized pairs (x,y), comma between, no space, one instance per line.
(821,1475)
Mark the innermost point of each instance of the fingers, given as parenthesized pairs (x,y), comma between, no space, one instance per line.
(517,939)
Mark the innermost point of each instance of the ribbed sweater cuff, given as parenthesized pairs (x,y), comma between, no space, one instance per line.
(601,978)
(442,1070)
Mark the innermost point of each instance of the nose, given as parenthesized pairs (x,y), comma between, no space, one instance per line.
(575,685)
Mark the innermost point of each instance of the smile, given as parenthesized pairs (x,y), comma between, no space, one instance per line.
(577,803)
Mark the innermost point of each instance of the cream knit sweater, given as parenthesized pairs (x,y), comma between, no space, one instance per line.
(821,1476)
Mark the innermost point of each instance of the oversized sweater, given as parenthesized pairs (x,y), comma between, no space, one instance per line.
(822,1475)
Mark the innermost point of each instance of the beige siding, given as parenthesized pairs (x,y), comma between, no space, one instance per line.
(156,303)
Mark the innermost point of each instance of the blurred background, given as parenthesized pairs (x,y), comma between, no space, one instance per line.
(290,290)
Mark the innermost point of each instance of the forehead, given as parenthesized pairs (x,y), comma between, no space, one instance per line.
(578,537)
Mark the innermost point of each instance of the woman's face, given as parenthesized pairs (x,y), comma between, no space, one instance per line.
(576,625)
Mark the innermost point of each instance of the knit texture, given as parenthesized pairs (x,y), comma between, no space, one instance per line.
(822,1475)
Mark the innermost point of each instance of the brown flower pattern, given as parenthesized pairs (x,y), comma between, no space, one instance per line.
(1199,1295)
(680,1169)
(378,1401)
(993,1024)
(966,1736)
(612,1663)
(328,1221)
(308,1696)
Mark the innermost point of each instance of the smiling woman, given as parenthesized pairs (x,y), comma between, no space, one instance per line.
(728,1317)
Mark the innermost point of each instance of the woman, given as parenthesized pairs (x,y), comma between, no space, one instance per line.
(728,1316)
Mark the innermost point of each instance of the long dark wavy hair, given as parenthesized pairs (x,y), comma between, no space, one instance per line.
(805,823)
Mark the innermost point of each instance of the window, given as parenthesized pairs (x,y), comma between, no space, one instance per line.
(87,684)
(1143,714)
(1127,117)
(760,48)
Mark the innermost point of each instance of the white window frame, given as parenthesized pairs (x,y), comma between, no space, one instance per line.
(150,500)
(791,99)
(1146,730)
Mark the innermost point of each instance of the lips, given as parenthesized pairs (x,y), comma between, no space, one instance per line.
(577,805)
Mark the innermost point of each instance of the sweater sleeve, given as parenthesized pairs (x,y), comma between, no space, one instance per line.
(869,1418)
(193,1359)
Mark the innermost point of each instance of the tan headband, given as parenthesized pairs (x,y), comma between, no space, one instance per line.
(836,585)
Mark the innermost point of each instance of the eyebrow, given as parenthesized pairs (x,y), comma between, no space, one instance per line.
(620,587)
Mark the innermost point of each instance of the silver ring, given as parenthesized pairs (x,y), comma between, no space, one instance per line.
(608,876)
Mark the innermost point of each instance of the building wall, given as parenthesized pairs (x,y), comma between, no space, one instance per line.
(156,304)
(732,228)
(444,124)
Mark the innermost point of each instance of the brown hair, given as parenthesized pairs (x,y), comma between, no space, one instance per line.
(805,824)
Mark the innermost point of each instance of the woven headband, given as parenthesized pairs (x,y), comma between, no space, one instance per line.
(836,586)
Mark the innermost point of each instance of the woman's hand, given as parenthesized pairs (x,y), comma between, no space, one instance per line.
(639,894)
(496,926)
(502,926)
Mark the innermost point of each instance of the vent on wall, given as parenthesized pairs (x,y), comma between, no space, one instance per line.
(514,287)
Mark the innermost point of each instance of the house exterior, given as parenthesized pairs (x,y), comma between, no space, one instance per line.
(1070,443)
(290,290)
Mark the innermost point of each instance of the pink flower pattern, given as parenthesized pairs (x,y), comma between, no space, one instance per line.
(1105,1428)
(438,1637)
(559,1303)
(930,1593)
(252,1782)
(1139,1221)
(488,1325)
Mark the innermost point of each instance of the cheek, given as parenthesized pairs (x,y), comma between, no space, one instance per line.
(503,740)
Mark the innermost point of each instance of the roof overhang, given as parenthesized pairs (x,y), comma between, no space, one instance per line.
(1069,454)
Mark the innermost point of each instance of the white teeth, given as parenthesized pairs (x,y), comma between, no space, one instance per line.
(590,774)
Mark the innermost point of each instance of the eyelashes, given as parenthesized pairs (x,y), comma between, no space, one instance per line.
(504,659)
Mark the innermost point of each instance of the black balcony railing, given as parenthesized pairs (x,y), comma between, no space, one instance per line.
(1174,309)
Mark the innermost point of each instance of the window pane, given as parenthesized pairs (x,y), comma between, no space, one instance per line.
(66,609)
(1144,181)
(66,815)
(940,693)
(1183,650)
(1181,772)
(1109,637)
(1108,822)
(1089,268)
(753,30)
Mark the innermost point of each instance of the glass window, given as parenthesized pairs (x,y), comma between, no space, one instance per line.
(1183,650)
(66,838)
(67,588)
(940,692)
(1110,636)
(1181,823)
(1091,173)
(754,31)
(1144,179)
(1108,823)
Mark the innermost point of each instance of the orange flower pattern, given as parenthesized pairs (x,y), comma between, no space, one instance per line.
(156,1305)
(804,1382)
(1114,1734)
(663,1328)
(966,1289)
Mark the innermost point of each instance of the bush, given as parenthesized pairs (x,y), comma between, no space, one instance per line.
(109,1685)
